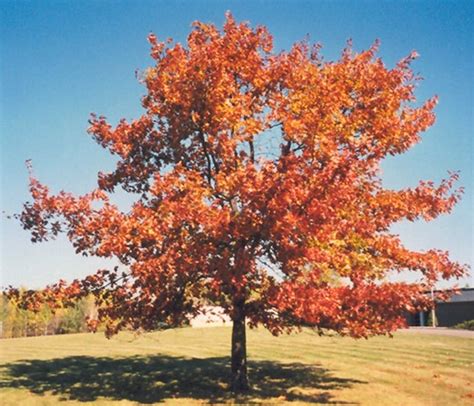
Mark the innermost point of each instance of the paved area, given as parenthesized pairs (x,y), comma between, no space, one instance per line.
(442,331)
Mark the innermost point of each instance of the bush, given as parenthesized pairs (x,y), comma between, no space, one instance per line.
(466,325)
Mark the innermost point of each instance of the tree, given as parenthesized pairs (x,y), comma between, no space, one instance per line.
(18,319)
(257,186)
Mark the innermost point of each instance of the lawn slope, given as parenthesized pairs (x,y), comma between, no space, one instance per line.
(189,366)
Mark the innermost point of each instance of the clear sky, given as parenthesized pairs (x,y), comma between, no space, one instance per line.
(60,61)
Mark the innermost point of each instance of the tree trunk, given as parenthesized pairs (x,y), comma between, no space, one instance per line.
(239,379)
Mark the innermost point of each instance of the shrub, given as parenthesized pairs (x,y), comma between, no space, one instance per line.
(465,325)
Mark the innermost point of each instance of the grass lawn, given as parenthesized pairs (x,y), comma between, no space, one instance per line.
(191,366)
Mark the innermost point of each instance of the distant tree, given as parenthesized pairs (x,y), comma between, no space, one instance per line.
(257,183)
(19,319)
(74,319)
(14,319)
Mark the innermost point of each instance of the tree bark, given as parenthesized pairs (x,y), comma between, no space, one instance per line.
(239,378)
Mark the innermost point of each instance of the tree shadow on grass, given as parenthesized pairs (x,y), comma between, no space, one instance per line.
(149,379)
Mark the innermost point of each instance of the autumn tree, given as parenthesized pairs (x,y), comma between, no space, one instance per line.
(23,319)
(257,183)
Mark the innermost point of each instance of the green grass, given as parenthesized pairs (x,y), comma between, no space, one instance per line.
(191,366)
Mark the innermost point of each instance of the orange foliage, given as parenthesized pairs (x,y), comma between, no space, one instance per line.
(257,176)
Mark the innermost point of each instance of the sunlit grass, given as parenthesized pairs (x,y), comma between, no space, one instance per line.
(191,366)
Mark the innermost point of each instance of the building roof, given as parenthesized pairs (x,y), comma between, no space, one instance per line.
(464,295)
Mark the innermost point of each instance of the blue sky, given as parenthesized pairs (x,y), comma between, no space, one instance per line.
(60,61)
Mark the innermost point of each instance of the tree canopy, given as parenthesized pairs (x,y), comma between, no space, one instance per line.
(257,185)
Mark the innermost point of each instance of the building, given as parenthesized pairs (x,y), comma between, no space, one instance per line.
(211,316)
(457,309)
